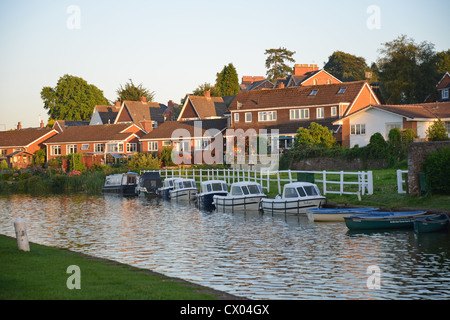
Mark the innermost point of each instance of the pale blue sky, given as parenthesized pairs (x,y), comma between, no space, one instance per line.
(173,46)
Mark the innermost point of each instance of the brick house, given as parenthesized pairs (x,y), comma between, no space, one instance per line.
(359,126)
(287,109)
(147,115)
(203,107)
(192,137)
(99,143)
(17,147)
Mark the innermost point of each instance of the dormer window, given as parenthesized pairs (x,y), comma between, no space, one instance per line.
(445,94)
(341,90)
(313,92)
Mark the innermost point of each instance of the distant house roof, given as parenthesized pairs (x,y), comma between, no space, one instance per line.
(23,138)
(61,125)
(298,96)
(108,114)
(140,111)
(205,107)
(444,83)
(106,132)
(165,130)
(413,112)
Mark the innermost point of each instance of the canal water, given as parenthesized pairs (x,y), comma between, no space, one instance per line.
(246,254)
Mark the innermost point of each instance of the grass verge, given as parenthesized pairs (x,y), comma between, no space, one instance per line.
(41,274)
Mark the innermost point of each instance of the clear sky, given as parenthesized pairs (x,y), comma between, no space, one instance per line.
(173,46)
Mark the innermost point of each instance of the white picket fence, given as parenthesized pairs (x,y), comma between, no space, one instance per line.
(338,182)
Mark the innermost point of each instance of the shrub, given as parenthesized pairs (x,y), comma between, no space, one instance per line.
(436,167)
(144,161)
(437,131)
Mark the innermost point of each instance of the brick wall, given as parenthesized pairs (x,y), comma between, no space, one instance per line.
(417,152)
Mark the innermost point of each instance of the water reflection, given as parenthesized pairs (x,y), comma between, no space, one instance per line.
(252,255)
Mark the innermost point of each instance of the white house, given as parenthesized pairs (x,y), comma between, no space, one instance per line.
(362,124)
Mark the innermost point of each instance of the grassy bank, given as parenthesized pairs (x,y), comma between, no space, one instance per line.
(41,275)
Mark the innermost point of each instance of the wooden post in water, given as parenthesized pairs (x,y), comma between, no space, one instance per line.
(21,235)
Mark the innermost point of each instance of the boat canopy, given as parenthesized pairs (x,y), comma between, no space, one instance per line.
(184,183)
(150,180)
(129,178)
(213,186)
(300,189)
(242,189)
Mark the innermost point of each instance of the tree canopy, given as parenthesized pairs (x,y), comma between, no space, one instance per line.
(227,81)
(314,136)
(346,67)
(131,92)
(201,89)
(276,63)
(72,99)
(407,70)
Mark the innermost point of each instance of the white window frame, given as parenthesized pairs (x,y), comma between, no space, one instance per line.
(55,150)
(72,148)
(84,147)
(248,117)
(320,113)
(114,147)
(445,94)
(153,146)
(334,111)
(358,129)
(166,143)
(236,117)
(99,147)
(298,114)
(267,116)
(202,144)
(131,147)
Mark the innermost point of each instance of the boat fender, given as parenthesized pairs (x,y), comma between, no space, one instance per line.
(278,196)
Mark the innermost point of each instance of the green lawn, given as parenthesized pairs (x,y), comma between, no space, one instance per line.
(42,274)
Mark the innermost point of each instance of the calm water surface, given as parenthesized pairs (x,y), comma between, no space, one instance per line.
(250,255)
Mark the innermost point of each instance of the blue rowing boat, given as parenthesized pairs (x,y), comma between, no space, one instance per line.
(431,223)
(337,214)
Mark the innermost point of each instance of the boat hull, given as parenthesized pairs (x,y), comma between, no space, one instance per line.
(120,190)
(183,194)
(207,200)
(238,203)
(164,192)
(337,215)
(381,221)
(433,223)
(290,206)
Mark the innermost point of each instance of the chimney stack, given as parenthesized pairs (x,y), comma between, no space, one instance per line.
(301,69)
(117,103)
(143,99)
(19,126)
(208,94)
(42,124)
(281,85)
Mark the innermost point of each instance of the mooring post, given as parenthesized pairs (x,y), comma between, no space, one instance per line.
(21,235)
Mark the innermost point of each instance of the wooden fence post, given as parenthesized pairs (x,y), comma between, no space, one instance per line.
(21,235)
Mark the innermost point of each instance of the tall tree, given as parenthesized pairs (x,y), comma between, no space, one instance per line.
(72,99)
(131,92)
(227,81)
(346,67)
(407,70)
(443,61)
(276,65)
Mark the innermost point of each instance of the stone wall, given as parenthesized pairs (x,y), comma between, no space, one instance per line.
(417,152)
(317,164)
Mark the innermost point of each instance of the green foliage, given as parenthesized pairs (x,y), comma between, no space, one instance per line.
(144,161)
(314,136)
(39,157)
(75,162)
(3,165)
(443,61)
(276,65)
(408,72)
(72,99)
(131,92)
(346,67)
(436,167)
(437,131)
(227,81)
(166,156)
(377,147)
(201,89)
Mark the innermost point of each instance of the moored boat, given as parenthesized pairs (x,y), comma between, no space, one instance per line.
(164,191)
(121,184)
(338,214)
(243,196)
(297,197)
(382,220)
(183,190)
(210,188)
(148,184)
(431,223)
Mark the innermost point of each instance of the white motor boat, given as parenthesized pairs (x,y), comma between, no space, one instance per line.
(164,191)
(296,199)
(243,196)
(183,190)
(210,188)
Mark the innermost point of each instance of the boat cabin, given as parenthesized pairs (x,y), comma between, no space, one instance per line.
(300,190)
(213,186)
(184,184)
(245,188)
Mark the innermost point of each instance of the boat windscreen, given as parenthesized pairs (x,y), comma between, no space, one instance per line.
(217,186)
(236,191)
(301,192)
(290,193)
(253,189)
(310,190)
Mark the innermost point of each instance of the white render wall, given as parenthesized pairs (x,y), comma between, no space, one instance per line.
(375,121)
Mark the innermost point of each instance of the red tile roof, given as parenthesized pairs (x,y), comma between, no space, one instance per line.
(165,130)
(22,138)
(207,107)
